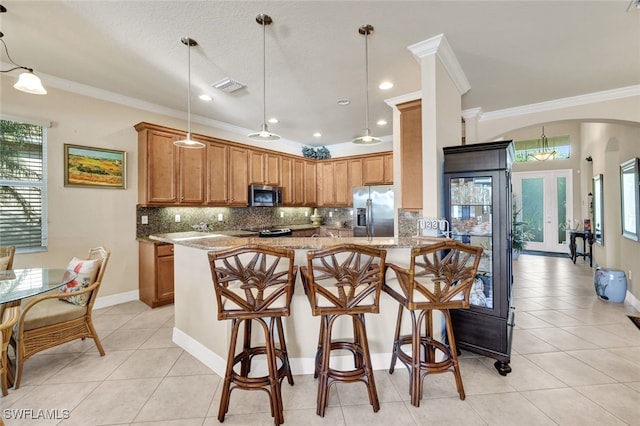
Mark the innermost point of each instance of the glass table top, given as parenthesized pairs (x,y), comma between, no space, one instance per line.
(17,284)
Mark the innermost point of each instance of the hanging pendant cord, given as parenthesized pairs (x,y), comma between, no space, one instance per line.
(264,73)
(189,93)
(366,61)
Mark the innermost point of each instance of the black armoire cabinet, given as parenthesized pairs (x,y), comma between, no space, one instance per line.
(477,193)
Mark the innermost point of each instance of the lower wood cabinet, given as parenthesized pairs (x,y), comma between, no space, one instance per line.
(155,279)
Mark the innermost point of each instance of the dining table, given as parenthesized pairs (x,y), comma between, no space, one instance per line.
(18,284)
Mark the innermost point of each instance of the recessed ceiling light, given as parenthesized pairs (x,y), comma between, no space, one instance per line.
(343,102)
(317,134)
(205,97)
(382,122)
(273,120)
(385,85)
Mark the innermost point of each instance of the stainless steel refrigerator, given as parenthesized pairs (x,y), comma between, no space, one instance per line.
(373,211)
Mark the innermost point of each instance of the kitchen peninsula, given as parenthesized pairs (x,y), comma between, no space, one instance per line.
(198,331)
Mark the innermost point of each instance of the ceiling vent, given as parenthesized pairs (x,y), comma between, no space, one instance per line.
(228,85)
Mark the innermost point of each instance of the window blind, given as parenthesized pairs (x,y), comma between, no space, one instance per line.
(22,185)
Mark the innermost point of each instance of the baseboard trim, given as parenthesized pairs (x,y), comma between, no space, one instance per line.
(298,365)
(116,299)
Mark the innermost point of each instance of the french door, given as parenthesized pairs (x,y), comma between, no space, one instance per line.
(544,200)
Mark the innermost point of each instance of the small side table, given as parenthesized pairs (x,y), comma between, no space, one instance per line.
(587,238)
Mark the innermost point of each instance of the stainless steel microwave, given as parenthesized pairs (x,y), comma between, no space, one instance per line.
(265,195)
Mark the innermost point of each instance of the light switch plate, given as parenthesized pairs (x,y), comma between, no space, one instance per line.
(177,218)
(220,217)
(144,220)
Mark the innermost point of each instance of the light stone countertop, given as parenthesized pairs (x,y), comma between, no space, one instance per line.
(213,241)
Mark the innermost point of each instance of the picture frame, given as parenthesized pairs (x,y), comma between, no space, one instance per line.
(93,167)
(630,198)
(598,210)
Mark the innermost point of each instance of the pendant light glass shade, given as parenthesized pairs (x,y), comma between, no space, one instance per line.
(544,153)
(264,134)
(30,83)
(188,142)
(27,82)
(367,138)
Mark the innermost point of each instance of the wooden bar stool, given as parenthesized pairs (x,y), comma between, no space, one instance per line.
(439,277)
(255,283)
(344,280)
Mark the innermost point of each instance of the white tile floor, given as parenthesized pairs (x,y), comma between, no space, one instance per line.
(575,359)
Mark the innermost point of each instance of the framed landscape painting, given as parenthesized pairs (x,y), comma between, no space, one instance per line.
(94,167)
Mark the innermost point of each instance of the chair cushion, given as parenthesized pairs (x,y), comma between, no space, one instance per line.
(4,262)
(52,311)
(87,270)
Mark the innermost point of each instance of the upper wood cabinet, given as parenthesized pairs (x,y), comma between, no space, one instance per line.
(333,183)
(292,181)
(238,176)
(264,168)
(310,192)
(217,188)
(411,154)
(377,170)
(168,174)
(219,174)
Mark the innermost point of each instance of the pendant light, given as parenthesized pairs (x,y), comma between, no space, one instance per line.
(367,138)
(544,153)
(264,134)
(188,142)
(27,81)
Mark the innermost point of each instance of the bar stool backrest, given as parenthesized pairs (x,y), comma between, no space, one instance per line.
(253,281)
(440,275)
(345,277)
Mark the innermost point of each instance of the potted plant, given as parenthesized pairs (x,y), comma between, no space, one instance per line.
(519,235)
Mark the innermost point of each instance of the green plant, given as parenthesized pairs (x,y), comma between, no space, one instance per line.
(519,235)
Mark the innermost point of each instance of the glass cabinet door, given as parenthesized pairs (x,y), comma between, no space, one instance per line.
(471,216)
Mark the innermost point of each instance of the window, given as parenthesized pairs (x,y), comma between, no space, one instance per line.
(561,144)
(23,185)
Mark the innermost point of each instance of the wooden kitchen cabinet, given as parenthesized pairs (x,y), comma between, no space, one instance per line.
(292,181)
(155,276)
(333,183)
(217,173)
(355,172)
(238,176)
(264,168)
(411,154)
(377,170)
(168,174)
(310,192)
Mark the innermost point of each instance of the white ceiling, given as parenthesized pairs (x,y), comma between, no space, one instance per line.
(513,53)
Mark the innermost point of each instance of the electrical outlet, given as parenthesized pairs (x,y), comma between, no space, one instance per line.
(220,217)
(281,214)
(177,218)
(330,214)
(144,220)
(306,213)
(630,275)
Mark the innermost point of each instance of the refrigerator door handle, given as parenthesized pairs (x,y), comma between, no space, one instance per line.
(369,221)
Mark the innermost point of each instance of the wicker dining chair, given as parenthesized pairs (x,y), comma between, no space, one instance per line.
(440,277)
(8,319)
(6,257)
(47,321)
(344,280)
(254,285)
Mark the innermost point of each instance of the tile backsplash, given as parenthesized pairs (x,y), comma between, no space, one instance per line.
(163,219)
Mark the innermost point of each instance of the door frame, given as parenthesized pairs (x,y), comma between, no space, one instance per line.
(550,204)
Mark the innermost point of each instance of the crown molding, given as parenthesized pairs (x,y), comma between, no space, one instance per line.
(439,46)
(603,96)
(394,102)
